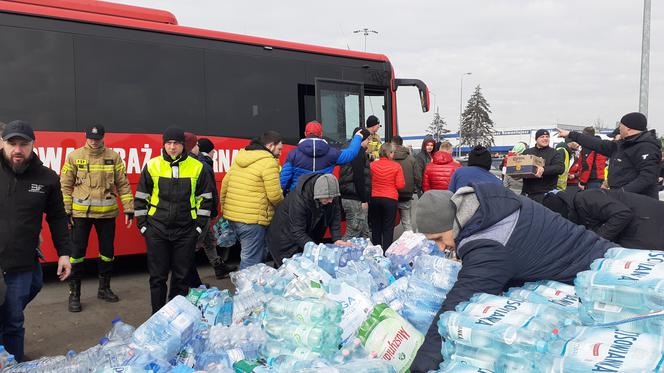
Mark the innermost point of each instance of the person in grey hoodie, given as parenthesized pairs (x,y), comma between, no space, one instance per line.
(413,178)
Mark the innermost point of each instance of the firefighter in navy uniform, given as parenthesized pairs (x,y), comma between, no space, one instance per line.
(92,178)
(173,205)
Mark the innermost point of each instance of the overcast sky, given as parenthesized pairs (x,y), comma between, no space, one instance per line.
(538,62)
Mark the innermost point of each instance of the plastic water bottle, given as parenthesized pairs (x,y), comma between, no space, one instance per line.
(639,270)
(465,329)
(246,278)
(614,288)
(120,331)
(366,366)
(114,356)
(354,350)
(495,308)
(396,290)
(456,366)
(6,359)
(309,311)
(289,363)
(603,350)
(356,306)
(487,359)
(439,272)
(653,256)
(539,293)
(422,303)
(317,338)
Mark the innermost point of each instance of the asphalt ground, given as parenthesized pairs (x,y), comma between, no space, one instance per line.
(52,330)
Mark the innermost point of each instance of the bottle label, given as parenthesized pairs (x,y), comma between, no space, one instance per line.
(613,350)
(394,340)
(633,270)
(315,254)
(605,307)
(301,335)
(235,355)
(558,296)
(356,307)
(303,311)
(184,326)
(511,312)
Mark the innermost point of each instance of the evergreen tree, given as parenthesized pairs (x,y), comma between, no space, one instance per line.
(476,125)
(437,127)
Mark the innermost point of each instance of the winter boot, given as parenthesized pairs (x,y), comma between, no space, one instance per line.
(74,296)
(221,269)
(105,291)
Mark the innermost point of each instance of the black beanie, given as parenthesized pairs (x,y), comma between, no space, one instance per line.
(372,121)
(205,145)
(541,132)
(635,121)
(173,134)
(480,157)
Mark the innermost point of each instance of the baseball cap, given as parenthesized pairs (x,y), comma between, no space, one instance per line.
(18,128)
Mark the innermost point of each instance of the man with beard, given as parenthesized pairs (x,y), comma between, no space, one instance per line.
(28,190)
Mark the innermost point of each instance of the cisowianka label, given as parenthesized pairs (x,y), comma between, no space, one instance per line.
(633,270)
(558,296)
(512,312)
(613,350)
(395,340)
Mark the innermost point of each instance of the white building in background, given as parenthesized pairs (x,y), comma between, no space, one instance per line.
(505,138)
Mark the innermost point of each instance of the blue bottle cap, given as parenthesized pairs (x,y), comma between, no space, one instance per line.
(115,320)
(103,341)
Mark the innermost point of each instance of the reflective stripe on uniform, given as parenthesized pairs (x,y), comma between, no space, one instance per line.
(158,168)
(100,168)
(142,195)
(95,202)
(77,207)
(66,168)
(67,198)
(76,260)
(140,212)
(106,259)
(203,212)
(126,197)
(205,195)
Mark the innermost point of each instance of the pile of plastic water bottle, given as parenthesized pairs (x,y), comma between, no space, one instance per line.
(333,308)
(613,325)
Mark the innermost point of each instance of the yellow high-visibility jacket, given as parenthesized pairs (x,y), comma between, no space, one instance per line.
(92,180)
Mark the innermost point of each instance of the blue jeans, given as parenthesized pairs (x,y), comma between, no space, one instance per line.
(22,288)
(252,241)
(594,184)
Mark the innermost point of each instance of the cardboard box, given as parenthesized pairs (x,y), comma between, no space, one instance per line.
(524,166)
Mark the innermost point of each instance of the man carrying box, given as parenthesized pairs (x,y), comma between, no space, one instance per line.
(546,176)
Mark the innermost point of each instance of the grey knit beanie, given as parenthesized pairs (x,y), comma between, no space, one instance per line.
(435,212)
(326,186)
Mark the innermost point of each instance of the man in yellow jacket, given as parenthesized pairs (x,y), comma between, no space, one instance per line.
(250,191)
(92,178)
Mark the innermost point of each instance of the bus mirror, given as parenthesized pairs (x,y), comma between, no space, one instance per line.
(421,87)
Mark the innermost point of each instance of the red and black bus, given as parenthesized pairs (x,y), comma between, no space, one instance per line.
(68,64)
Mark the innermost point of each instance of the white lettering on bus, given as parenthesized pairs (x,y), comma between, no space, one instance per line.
(137,158)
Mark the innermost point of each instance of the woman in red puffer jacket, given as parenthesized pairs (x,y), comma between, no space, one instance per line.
(386,180)
(439,172)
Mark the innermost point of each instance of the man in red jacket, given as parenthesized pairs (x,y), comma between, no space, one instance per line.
(591,175)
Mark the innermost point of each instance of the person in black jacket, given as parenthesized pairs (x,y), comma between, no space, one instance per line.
(547,176)
(355,185)
(28,190)
(503,240)
(634,162)
(628,219)
(304,216)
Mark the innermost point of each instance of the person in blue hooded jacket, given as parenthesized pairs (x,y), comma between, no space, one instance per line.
(503,240)
(314,155)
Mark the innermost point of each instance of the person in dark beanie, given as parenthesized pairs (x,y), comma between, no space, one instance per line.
(355,185)
(634,160)
(304,216)
(373,125)
(503,240)
(171,219)
(546,178)
(628,219)
(479,164)
(314,155)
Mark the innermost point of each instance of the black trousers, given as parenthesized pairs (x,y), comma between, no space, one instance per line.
(105,229)
(169,254)
(382,214)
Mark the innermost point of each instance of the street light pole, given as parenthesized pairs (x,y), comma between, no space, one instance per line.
(645,59)
(366,32)
(461,110)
